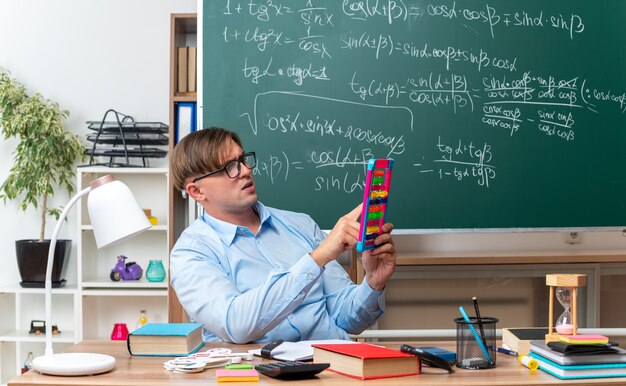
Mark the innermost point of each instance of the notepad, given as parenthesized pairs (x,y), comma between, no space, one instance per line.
(584,339)
(224,375)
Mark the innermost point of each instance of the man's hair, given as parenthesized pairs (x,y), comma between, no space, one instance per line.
(199,153)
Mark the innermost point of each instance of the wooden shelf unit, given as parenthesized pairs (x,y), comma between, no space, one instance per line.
(184,28)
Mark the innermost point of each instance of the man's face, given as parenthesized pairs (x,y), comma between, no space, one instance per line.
(226,197)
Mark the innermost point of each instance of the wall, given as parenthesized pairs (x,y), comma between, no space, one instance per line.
(88,56)
(93,55)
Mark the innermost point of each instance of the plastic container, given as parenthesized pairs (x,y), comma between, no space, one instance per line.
(120,331)
(155,271)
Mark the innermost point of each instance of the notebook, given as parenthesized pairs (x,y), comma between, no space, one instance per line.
(541,348)
(608,370)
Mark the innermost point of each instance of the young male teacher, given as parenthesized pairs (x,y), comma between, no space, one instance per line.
(251,273)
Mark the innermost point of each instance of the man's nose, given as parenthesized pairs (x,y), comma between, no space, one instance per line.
(245,171)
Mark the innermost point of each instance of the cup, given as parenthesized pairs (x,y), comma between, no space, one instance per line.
(120,331)
(471,349)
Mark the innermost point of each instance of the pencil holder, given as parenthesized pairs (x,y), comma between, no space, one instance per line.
(476,343)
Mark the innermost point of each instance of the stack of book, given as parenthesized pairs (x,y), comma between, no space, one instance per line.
(186,70)
(580,361)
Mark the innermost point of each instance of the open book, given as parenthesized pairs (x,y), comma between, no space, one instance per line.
(298,351)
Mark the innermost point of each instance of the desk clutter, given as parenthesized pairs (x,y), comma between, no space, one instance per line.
(559,350)
(234,371)
(211,358)
(579,361)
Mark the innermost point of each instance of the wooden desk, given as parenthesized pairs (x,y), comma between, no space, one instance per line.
(149,371)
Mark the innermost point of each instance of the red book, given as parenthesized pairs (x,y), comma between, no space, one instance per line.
(366,361)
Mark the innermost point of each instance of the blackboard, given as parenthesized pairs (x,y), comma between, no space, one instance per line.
(500,114)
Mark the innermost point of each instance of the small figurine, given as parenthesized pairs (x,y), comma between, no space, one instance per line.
(126,271)
(38,327)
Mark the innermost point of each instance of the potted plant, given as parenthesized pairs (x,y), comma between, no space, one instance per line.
(42,162)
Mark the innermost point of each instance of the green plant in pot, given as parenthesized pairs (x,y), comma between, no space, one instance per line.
(43,164)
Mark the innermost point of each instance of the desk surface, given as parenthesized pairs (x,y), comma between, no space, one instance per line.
(149,371)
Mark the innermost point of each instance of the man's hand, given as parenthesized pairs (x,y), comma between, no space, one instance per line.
(343,237)
(380,263)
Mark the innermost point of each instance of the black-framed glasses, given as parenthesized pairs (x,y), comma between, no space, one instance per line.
(233,167)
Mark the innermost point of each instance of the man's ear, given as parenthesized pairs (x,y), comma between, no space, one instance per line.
(194,192)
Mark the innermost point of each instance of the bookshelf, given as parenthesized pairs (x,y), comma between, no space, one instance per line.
(90,304)
(99,295)
(183,32)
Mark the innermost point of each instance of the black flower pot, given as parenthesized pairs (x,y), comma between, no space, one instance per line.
(32,260)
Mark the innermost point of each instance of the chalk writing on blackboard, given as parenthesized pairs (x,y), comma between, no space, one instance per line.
(482,97)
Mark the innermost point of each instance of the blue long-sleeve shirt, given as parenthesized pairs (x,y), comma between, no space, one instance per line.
(257,288)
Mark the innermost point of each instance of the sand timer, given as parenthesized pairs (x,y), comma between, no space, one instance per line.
(565,287)
(564,324)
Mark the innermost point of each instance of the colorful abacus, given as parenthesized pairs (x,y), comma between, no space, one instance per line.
(375,196)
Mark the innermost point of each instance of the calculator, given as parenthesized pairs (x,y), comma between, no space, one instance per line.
(291,369)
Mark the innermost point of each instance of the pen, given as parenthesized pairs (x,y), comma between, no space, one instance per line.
(507,352)
(479,320)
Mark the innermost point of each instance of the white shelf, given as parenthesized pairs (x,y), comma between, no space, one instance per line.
(17,289)
(105,282)
(132,170)
(157,228)
(126,293)
(24,336)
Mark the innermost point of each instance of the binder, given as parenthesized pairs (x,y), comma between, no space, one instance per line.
(185,119)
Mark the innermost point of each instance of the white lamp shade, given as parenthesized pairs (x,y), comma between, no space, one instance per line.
(115,214)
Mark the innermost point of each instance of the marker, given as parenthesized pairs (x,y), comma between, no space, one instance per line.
(507,352)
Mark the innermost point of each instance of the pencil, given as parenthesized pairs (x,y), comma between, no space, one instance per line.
(482,347)
(480,322)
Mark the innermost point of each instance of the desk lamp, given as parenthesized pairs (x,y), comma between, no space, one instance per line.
(115,215)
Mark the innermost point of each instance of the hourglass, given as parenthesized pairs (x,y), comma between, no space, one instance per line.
(565,287)
(564,324)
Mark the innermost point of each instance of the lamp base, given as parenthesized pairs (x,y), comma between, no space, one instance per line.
(72,364)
